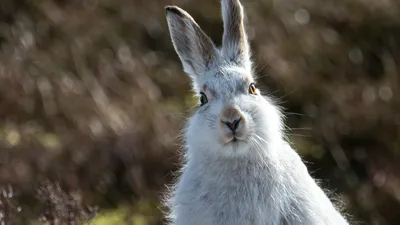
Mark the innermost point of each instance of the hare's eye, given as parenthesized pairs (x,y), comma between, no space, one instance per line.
(252,89)
(203,98)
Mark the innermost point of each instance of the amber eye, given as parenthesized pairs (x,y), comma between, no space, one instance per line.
(203,98)
(252,89)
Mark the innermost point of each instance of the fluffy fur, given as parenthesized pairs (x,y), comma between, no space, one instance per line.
(242,175)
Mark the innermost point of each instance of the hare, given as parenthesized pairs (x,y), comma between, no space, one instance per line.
(238,168)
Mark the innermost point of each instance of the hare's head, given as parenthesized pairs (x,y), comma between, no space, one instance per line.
(233,118)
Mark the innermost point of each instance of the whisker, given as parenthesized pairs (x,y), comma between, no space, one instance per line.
(294,114)
(292,92)
(261,139)
(262,160)
(258,147)
(300,128)
(299,135)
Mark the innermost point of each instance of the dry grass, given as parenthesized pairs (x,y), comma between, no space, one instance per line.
(92,99)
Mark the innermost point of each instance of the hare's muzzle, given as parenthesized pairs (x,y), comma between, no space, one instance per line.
(232,123)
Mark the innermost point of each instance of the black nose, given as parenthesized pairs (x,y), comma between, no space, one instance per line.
(232,125)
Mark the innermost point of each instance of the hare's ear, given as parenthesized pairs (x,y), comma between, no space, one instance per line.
(195,49)
(235,45)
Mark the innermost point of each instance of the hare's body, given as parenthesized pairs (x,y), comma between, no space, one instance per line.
(238,168)
(239,191)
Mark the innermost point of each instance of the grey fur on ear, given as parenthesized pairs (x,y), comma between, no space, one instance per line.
(195,49)
(235,45)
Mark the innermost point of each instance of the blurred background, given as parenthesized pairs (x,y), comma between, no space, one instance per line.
(93,97)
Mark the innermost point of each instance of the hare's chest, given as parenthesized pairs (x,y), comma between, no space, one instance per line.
(235,201)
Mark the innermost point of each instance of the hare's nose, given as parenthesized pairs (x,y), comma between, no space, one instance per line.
(231,117)
(232,125)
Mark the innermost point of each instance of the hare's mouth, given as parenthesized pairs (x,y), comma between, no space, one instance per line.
(232,132)
(233,138)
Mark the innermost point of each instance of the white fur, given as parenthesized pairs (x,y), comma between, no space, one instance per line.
(258,180)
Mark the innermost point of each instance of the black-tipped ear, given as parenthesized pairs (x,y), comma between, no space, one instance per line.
(195,49)
(235,45)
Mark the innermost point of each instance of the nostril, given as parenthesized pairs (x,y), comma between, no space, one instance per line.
(236,123)
(233,125)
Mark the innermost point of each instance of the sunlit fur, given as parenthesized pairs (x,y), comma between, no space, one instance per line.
(258,179)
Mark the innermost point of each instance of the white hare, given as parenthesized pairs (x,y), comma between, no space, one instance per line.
(238,168)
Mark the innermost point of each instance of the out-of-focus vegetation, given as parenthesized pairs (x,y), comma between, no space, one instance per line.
(92,98)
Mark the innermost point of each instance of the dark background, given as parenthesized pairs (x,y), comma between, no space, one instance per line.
(93,97)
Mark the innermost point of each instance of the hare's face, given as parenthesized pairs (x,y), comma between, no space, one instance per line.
(233,117)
